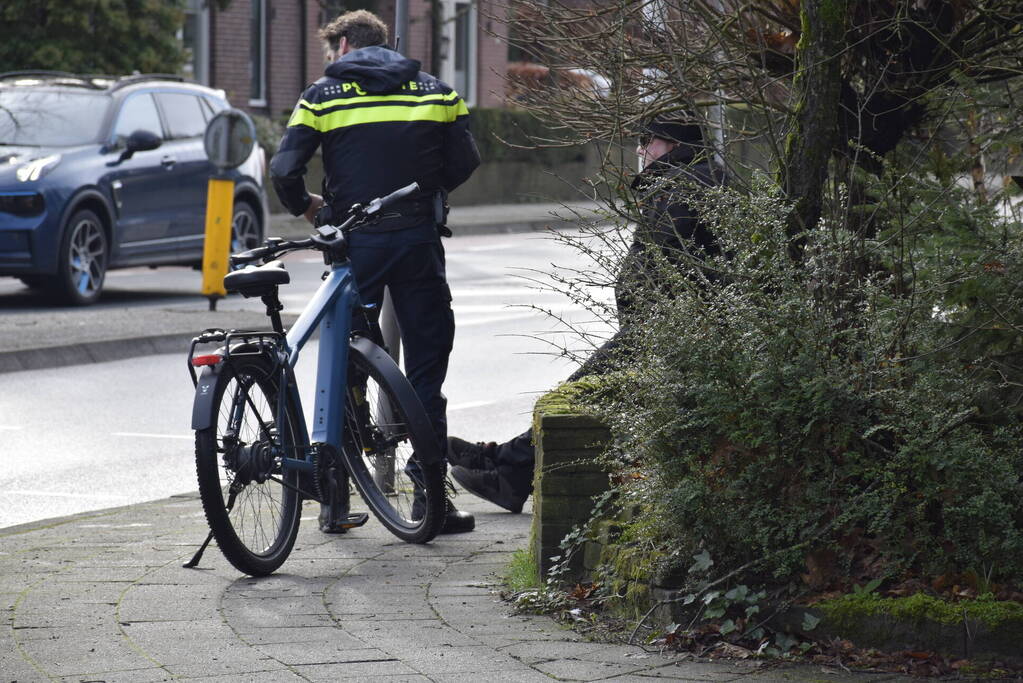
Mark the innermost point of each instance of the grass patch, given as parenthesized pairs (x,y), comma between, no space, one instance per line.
(522,573)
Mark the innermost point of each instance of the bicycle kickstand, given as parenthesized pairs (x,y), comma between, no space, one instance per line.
(194,562)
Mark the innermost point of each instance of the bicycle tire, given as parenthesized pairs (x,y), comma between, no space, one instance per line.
(255,527)
(393,459)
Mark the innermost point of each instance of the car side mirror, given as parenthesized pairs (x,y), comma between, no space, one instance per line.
(139,141)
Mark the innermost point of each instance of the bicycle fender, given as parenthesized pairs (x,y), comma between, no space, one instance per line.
(202,405)
(416,414)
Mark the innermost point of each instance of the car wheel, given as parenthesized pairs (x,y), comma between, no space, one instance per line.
(246,231)
(82,261)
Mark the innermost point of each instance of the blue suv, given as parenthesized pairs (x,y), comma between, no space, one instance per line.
(100,172)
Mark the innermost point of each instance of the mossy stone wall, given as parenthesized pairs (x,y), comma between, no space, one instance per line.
(567,479)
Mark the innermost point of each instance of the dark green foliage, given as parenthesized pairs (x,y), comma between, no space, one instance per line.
(91,36)
(862,405)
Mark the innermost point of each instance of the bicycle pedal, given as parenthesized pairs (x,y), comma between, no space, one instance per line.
(354,521)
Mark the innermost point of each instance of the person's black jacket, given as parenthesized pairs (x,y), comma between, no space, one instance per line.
(382,124)
(667,222)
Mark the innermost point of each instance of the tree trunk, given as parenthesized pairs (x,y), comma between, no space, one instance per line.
(816,91)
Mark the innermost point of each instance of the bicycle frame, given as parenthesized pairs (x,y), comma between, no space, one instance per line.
(331,310)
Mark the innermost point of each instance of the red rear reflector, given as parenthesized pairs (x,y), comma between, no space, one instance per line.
(211,359)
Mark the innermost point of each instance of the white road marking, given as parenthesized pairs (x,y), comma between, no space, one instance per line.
(59,494)
(493,319)
(471,404)
(145,435)
(524,290)
(9,428)
(489,247)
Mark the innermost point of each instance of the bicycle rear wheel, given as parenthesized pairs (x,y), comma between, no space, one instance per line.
(253,515)
(390,448)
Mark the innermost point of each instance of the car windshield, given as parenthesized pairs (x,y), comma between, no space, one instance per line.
(50,118)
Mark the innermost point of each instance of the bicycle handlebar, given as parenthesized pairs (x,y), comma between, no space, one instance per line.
(383,202)
(326,235)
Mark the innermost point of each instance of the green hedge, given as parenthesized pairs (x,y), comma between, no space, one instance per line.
(501,134)
(514,135)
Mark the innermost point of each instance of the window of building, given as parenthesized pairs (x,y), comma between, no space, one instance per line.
(458,49)
(183,113)
(137,113)
(257,54)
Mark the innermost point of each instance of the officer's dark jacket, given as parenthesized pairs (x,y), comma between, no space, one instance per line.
(382,124)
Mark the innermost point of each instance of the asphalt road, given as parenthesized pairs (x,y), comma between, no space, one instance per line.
(98,435)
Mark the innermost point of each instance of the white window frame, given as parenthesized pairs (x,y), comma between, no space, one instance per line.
(262,99)
(201,49)
(448,36)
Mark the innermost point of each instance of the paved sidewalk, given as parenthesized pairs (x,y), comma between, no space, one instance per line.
(103,597)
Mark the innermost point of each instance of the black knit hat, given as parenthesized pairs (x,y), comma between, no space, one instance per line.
(674,130)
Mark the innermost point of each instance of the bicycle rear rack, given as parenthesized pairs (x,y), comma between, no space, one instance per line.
(234,343)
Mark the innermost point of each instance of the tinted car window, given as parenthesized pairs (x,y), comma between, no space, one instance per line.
(50,118)
(183,113)
(138,113)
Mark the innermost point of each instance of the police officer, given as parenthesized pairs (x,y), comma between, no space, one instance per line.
(382,124)
(672,155)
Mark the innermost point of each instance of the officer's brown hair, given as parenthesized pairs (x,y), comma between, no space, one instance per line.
(361,28)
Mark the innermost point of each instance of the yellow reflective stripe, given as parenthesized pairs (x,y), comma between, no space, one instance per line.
(353,117)
(371,99)
(302,117)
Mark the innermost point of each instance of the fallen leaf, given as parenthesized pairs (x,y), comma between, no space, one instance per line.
(730,650)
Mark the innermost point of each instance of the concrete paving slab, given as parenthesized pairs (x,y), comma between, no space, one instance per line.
(359,670)
(146,675)
(94,597)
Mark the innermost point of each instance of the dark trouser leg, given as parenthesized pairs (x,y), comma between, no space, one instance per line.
(515,460)
(422,304)
(415,276)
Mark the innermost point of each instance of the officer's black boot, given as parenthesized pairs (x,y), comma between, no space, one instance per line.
(334,511)
(455,521)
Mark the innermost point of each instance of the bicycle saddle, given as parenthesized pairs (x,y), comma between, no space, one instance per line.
(257,280)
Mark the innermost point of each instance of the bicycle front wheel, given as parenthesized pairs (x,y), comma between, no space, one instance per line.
(390,448)
(251,508)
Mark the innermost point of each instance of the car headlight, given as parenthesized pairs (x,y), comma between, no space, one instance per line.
(37,168)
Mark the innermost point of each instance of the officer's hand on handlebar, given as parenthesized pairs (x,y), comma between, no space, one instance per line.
(315,203)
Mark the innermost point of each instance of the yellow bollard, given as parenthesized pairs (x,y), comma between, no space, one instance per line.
(217,247)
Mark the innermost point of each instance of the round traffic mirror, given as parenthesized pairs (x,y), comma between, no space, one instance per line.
(230,137)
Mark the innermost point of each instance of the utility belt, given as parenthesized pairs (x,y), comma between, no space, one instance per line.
(405,213)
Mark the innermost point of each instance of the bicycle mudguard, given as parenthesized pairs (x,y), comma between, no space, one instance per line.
(416,414)
(202,406)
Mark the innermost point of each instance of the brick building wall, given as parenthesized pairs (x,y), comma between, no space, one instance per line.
(229,52)
(287,75)
(492,55)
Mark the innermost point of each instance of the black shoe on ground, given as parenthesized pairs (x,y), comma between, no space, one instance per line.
(474,456)
(456,521)
(488,485)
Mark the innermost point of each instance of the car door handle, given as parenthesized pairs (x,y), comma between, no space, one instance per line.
(168,161)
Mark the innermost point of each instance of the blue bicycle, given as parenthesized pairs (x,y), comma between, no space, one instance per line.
(255,458)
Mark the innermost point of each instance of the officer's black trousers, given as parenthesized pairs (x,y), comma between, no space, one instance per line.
(410,263)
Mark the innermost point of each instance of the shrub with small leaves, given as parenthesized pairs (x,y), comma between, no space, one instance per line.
(856,409)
